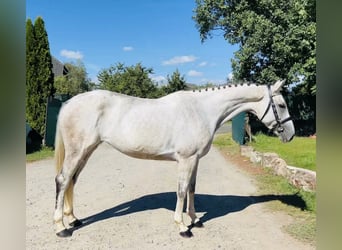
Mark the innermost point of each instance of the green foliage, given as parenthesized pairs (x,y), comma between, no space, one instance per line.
(39,75)
(129,80)
(31,74)
(44,61)
(175,82)
(277,41)
(277,38)
(135,81)
(75,81)
(302,109)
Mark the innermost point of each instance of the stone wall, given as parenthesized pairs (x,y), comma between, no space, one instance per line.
(299,177)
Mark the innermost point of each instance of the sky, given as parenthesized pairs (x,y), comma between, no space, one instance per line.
(159,34)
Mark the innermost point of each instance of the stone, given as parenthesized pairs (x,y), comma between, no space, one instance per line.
(267,158)
(279,167)
(256,157)
(302,178)
(246,151)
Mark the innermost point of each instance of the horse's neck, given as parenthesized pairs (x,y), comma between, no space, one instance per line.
(223,104)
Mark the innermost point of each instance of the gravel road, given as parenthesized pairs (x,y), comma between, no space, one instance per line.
(128,203)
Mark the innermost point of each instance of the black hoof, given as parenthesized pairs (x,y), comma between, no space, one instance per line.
(75,223)
(186,234)
(197,224)
(64,233)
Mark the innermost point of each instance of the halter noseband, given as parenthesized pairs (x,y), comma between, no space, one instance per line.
(277,118)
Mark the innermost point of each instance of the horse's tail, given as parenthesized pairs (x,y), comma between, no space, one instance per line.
(59,151)
(59,160)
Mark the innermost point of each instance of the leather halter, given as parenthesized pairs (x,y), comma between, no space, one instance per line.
(271,103)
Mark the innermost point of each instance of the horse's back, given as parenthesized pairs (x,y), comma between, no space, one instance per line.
(113,116)
(143,128)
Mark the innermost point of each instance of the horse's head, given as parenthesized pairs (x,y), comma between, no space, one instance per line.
(274,113)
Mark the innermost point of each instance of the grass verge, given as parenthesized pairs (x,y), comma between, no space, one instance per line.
(42,154)
(300,152)
(300,205)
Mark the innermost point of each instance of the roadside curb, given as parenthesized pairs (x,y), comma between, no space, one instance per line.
(301,178)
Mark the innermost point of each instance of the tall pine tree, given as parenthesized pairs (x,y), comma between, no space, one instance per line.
(31,83)
(39,75)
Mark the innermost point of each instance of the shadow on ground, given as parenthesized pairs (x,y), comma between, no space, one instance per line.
(213,206)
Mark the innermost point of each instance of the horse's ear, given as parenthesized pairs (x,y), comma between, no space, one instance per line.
(278,85)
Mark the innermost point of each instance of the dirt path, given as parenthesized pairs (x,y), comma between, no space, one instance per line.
(127,203)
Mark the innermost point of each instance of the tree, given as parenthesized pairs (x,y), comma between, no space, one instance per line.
(277,40)
(130,80)
(39,76)
(31,74)
(175,82)
(75,81)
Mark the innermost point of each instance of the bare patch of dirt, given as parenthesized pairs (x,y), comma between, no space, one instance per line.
(242,162)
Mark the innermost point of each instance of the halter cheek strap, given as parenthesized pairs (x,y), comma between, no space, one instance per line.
(275,112)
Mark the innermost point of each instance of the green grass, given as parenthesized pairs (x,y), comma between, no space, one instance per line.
(304,229)
(270,183)
(301,205)
(300,152)
(225,141)
(42,154)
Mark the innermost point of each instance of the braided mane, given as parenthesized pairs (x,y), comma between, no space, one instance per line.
(219,87)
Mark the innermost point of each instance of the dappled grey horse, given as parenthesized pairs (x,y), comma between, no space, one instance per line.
(178,127)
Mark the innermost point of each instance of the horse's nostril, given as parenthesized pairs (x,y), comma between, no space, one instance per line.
(280,129)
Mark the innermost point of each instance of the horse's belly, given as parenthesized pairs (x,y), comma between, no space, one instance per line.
(147,154)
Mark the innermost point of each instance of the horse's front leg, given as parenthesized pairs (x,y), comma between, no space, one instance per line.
(185,171)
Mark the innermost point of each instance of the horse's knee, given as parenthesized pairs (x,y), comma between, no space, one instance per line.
(182,189)
(181,195)
(59,180)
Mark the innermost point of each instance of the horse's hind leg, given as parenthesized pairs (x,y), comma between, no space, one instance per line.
(65,181)
(68,205)
(69,194)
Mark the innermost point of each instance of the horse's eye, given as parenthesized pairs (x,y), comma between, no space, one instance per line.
(283,106)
